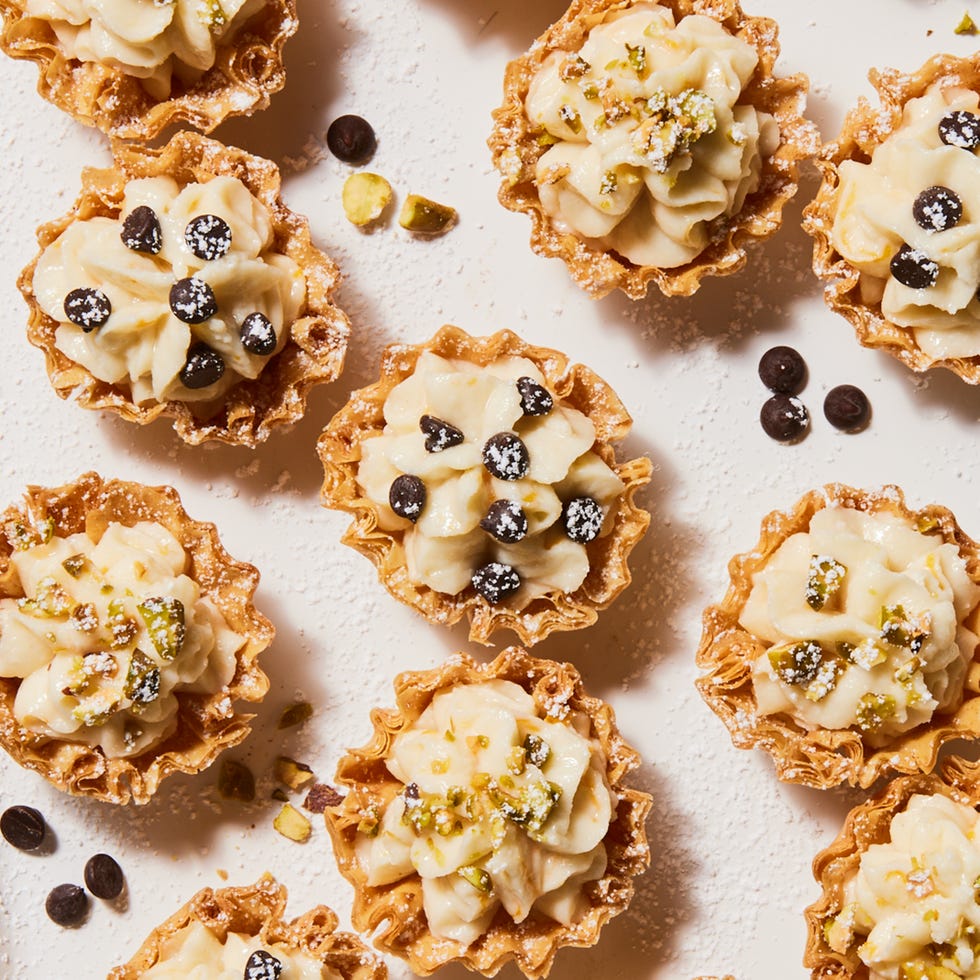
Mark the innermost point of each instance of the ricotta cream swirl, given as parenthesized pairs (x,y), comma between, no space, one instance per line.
(917,195)
(866,620)
(651,144)
(214,241)
(913,905)
(499,462)
(153,40)
(107,634)
(500,807)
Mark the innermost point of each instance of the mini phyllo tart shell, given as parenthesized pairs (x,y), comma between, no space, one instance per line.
(341,449)
(809,754)
(865,128)
(393,913)
(252,408)
(517,145)
(869,824)
(207,723)
(247,70)
(259,911)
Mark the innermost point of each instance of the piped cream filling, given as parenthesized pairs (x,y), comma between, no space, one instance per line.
(873,218)
(196,953)
(912,905)
(153,40)
(143,346)
(866,618)
(650,143)
(107,634)
(446,544)
(500,807)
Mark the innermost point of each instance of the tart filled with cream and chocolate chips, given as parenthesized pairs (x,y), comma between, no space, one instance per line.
(127,634)
(482,482)
(181,286)
(488,820)
(650,142)
(132,68)
(846,644)
(236,933)
(896,233)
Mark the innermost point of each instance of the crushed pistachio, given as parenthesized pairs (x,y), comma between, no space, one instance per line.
(479,878)
(84,618)
(899,629)
(142,679)
(636,58)
(365,197)
(122,627)
(570,117)
(967,25)
(426,217)
(212,14)
(235,781)
(574,66)
(292,824)
(295,714)
(537,749)
(796,663)
(609,182)
(370,822)
(163,617)
(74,565)
(873,710)
(50,601)
(517,760)
(294,774)
(674,125)
(825,579)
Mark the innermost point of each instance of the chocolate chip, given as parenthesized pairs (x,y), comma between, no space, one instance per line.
(535,399)
(262,965)
(506,521)
(208,236)
(257,334)
(960,129)
(913,268)
(406,496)
(782,369)
(320,796)
(192,300)
(505,456)
(439,435)
(67,905)
(937,209)
(495,581)
(351,139)
(847,408)
(784,418)
(582,518)
(88,308)
(203,367)
(141,230)
(103,876)
(22,827)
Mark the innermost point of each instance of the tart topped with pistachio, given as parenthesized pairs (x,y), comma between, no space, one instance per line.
(482,479)
(847,641)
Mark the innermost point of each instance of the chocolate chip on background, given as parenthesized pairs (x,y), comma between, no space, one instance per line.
(784,418)
(582,519)
(204,366)
(846,407)
(439,434)
(506,521)
(141,230)
(87,308)
(960,128)
(535,398)
(257,334)
(913,268)
(22,827)
(262,965)
(406,496)
(495,581)
(192,300)
(67,905)
(320,796)
(103,876)
(782,369)
(937,208)
(506,457)
(351,139)
(208,237)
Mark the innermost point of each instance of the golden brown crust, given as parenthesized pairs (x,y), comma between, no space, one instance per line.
(207,723)
(870,823)
(252,409)
(516,150)
(248,69)
(864,129)
(362,418)
(396,909)
(259,910)
(727,652)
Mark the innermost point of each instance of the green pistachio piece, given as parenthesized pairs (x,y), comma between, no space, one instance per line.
(570,117)
(590,91)
(898,629)
(84,618)
(211,14)
(546,139)
(796,663)
(873,710)
(365,197)
(532,805)
(537,749)
(236,782)
(164,620)
(50,601)
(574,66)
(74,565)
(516,760)
(609,182)
(825,579)
(636,57)
(826,679)
(122,627)
(294,774)
(479,878)
(926,971)
(295,714)
(142,679)
(370,822)
(91,717)
(292,824)
(426,217)
(967,25)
